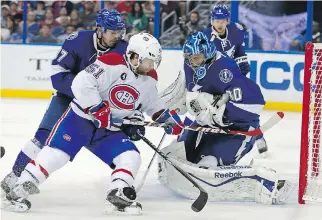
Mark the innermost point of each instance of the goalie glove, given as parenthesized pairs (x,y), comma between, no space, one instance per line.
(172,119)
(101,113)
(208,109)
(132,130)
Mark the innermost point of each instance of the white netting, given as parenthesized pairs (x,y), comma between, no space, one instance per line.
(313,190)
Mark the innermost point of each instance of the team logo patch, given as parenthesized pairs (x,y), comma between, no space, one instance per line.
(124,96)
(72,36)
(225,76)
(67,137)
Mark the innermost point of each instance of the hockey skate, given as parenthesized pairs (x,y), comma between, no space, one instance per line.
(122,201)
(17,198)
(7,184)
(262,146)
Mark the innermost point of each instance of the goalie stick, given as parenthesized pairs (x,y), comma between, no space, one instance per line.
(258,131)
(201,201)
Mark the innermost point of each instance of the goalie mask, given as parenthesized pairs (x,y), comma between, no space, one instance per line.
(198,53)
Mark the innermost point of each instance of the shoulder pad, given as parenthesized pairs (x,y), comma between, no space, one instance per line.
(72,36)
(112,59)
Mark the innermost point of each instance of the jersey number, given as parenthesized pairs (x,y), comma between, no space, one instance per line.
(61,55)
(235,94)
(95,70)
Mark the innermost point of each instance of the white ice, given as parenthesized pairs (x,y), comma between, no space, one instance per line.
(78,190)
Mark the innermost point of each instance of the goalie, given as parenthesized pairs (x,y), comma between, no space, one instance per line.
(217,94)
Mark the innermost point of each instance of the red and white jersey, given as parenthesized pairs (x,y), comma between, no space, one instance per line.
(110,78)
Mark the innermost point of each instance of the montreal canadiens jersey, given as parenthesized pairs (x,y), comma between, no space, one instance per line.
(223,76)
(232,43)
(110,78)
(78,51)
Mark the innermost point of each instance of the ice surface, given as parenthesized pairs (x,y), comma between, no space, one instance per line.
(78,190)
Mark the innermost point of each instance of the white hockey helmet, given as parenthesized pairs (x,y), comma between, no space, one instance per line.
(147,48)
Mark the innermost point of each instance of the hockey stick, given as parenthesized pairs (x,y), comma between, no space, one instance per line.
(139,186)
(258,131)
(201,201)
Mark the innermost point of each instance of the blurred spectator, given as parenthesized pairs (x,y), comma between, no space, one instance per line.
(40,11)
(128,26)
(58,5)
(62,13)
(49,19)
(45,35)
(74,18)
(137,18)
(32,26)
(5,11)
(191,26)
(13,7)
(69,29)
(124,6)
(11,26)
(109,4)
(18,18)
(88,15)
(17,37)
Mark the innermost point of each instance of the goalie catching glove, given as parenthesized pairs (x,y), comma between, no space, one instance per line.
(171,118)
(208,109)
(132,130)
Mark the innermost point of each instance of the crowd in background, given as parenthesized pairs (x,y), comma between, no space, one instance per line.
(53,21)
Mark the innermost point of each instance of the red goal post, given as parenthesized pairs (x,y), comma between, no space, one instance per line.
(310,178)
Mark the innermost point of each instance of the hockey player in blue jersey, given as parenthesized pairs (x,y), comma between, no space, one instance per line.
(79,50)
(218,95)
(229,38)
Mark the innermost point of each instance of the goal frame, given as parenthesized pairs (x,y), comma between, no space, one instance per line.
(305,153)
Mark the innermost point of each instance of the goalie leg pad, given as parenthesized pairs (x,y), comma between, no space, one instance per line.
(226,183)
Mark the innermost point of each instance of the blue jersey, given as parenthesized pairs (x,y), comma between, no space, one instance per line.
(78,51)
(232,44)
(224,76)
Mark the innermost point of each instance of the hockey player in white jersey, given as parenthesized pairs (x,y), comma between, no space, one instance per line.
(113,87)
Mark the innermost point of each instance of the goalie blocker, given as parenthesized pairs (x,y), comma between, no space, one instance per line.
(223,183)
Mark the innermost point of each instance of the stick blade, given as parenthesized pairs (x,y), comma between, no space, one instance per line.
(200,202)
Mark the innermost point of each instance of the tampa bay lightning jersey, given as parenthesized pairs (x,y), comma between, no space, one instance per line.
(232,43)
(224,76)
(78,51)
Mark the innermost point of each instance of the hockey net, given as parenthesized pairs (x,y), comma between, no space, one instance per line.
(310,183)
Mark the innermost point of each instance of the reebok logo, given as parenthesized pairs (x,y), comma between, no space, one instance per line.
(228,175)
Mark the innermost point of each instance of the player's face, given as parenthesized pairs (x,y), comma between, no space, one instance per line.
(143,68)
(196,60)
(220,25)
(110,38)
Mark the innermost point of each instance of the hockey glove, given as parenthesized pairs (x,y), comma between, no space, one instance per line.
(102,114)
(172,119)
(132,130)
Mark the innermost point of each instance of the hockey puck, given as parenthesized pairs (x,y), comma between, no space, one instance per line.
(3,151)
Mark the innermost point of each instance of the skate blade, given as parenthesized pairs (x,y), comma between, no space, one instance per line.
(110,209)
(15,206)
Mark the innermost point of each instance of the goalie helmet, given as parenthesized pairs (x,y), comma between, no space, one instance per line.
(196,44)
(146,47)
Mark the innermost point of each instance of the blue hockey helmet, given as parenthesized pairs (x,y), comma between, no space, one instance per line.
(110,19)
(220,12)
(198,43)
